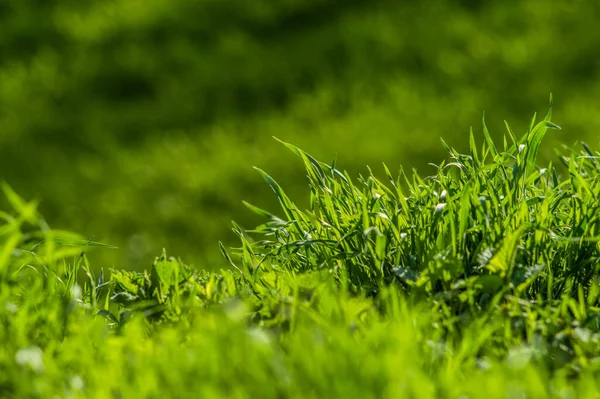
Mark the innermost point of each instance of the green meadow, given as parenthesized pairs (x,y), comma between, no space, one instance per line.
(302,198)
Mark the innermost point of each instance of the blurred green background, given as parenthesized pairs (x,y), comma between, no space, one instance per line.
(138,122)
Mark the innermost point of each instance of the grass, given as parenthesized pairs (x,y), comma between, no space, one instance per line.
(481,280)
(83,94)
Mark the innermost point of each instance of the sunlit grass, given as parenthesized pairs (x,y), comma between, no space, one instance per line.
(478,281)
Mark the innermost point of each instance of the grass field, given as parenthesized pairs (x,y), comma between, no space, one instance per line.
(114,110)
(480,280)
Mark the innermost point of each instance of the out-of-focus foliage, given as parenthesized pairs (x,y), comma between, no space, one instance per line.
(136,121)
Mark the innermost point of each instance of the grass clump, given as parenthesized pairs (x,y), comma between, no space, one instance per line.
(490,240)
(481,280)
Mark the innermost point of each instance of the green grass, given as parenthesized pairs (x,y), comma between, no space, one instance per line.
(110,111)
(481,280)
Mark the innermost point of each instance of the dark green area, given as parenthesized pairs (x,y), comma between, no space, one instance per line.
(136,122)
